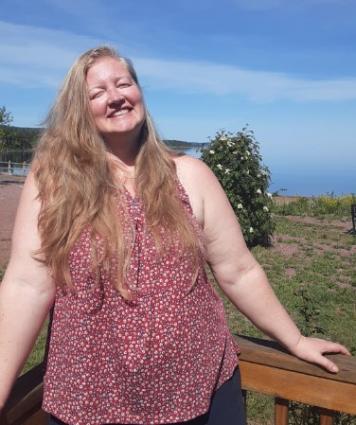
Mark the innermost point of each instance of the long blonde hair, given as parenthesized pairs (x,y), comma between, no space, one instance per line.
(77,186)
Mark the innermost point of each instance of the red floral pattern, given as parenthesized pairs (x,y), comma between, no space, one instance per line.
(154,360)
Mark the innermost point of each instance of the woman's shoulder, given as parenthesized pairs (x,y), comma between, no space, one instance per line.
(196,178)
(192,168)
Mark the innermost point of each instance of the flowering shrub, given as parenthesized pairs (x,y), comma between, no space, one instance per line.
(236,162)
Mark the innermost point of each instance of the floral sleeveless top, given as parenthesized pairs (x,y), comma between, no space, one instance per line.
(156,360)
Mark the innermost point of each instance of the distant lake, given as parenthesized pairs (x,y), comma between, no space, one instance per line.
(195,152)
(308,182)
(304,181)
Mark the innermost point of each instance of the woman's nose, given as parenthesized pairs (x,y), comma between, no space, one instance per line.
(115,96)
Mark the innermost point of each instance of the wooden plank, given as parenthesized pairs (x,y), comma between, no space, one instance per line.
(270,353)
(39,418)
(281,411)
(326,417)
(290,385)
(25,408)
(24,385)
(25,399)
(326,420)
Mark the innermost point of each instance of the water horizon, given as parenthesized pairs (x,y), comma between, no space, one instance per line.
(307,181)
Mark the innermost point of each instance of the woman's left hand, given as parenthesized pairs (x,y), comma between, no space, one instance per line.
(312,350)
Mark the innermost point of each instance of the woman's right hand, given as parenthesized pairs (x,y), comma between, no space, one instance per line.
(312,349)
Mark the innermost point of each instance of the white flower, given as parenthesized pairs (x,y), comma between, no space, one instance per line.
(258,175)
(251,229)
(219,166)
(223,138)
(212,152)
(242,157)
(239,206)
(235,152)
(227,171)
(265,208)
(259,191)
(269,195)
(230,144)
(248,153)
(247,172)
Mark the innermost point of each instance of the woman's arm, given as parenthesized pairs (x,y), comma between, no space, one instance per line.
(26,292)
(238,273)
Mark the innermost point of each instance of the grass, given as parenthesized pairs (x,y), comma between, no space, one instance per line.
(320,206)
(311,267)
(37,353)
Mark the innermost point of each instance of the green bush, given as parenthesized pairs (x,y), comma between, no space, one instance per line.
(236,161)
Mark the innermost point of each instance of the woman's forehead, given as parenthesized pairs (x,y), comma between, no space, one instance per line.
(107,67)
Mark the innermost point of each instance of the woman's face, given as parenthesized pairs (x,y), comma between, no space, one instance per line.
(115,99)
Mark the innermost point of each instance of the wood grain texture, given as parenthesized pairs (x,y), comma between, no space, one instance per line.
(327,417)
(270,353)
(280,411)
(316,391)
(25,400)
(40,418)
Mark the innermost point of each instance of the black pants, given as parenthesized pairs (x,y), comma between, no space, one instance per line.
(226,408)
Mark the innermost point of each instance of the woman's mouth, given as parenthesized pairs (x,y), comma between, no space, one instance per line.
(119,113)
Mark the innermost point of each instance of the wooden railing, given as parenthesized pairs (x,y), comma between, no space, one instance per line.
(265,368)
(14,168)
(24,404)
(268,369)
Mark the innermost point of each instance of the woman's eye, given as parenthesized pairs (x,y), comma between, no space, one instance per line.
(95,94)
(124,84)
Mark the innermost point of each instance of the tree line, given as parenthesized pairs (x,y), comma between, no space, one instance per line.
(15,138)
(24,138)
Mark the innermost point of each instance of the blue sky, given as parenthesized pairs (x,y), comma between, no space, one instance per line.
(285,67)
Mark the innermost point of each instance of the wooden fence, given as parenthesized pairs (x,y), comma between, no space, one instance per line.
(14,168)
(265,368)
(268,369)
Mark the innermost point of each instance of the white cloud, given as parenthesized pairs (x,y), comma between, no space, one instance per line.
(258,86)
(33,56)
(39,57)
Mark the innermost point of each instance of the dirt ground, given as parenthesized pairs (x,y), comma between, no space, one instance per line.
(10,189)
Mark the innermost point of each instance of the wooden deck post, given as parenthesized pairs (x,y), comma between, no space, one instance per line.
(326,416)
(280,411)
(244,398)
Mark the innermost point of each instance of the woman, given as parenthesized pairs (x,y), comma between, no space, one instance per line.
(114,230)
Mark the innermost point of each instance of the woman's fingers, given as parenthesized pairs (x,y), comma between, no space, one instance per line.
(312,350)
(327,364)
(334,347)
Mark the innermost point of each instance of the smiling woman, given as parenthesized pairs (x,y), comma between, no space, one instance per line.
(116,102)
(112,235)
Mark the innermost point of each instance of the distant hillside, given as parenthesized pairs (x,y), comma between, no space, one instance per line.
(26,137)
(181,145)
(22,138)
